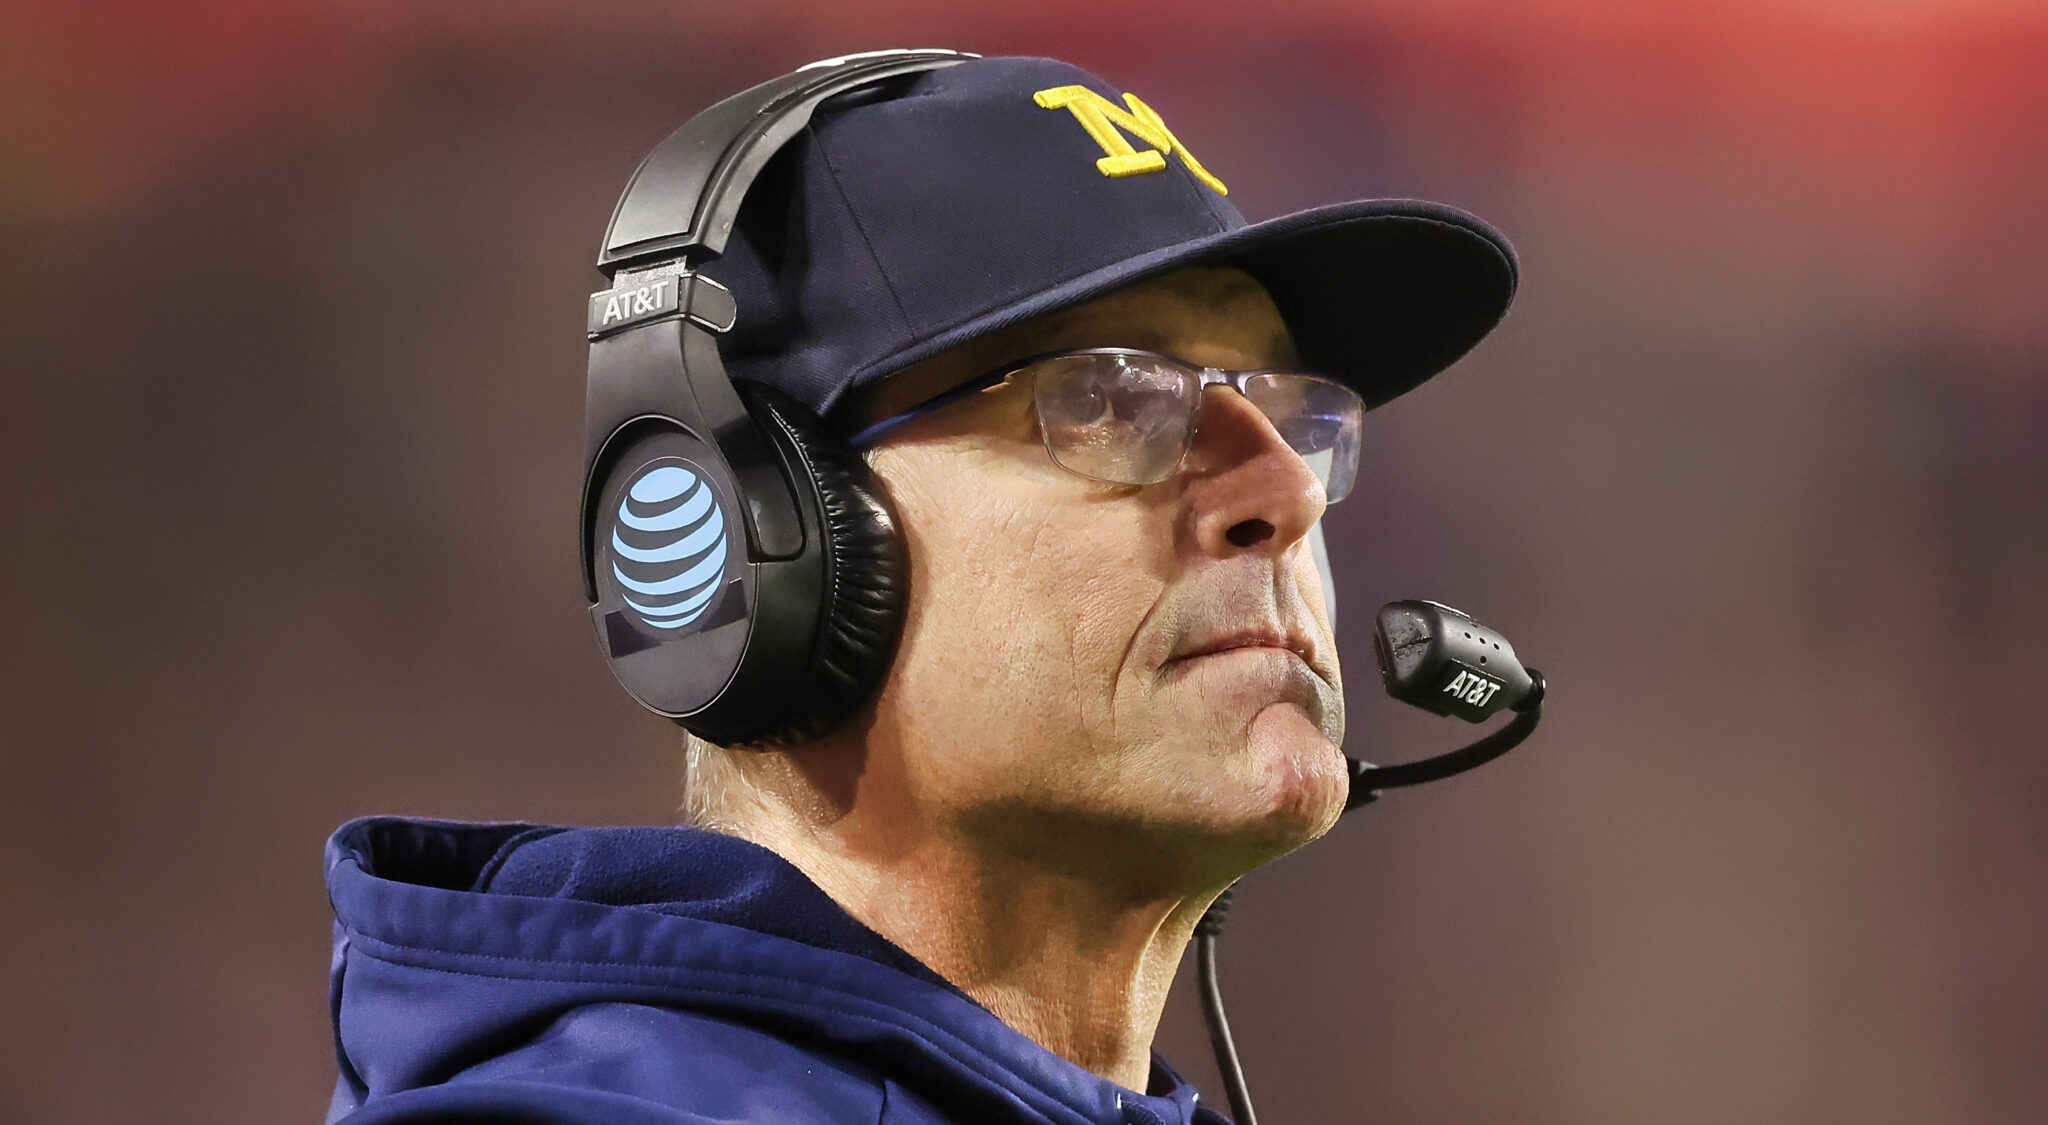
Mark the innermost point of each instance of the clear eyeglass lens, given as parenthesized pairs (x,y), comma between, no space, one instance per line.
(1319,419)
(1124,419)
(1128,419)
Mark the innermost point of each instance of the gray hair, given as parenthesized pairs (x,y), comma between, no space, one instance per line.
(713,785)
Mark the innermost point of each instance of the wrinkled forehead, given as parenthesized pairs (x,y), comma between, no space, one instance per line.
(1209,316)
(1214,311)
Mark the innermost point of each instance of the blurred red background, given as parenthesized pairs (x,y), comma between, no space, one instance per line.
(290,311)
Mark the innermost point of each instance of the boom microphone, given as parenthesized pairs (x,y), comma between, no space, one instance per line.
(1438,659)
(1441,660)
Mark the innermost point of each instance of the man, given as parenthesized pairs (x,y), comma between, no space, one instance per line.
(1115,692)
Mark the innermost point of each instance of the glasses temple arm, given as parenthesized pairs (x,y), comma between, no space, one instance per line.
(868,434)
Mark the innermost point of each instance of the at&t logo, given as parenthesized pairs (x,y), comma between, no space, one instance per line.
(668,546)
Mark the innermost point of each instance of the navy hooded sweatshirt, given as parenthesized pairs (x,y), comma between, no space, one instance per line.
(658,976)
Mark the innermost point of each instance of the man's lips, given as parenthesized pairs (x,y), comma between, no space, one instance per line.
(1252,638)
(1301,680)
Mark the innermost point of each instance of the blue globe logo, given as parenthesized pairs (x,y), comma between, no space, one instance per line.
(668,547)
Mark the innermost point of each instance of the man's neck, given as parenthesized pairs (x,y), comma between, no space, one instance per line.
(1080,968)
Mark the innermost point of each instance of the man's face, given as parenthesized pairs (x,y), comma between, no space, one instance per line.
(1134,678)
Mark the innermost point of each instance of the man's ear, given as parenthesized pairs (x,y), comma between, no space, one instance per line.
(1321,554)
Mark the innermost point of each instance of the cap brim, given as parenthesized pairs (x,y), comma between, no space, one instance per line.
(1382,293)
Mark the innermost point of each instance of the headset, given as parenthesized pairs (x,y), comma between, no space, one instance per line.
(744,570)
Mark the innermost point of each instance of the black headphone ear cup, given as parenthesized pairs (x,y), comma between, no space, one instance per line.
(861,612)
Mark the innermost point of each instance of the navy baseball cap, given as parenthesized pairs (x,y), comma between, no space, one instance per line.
(925,210)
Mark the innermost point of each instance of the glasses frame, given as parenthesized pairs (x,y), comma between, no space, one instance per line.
(1003,376)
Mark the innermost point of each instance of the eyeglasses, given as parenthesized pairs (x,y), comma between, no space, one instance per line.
(1128,417)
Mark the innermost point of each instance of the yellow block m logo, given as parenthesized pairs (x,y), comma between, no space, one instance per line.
(1107,122)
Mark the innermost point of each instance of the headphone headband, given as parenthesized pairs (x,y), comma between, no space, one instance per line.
(686,195)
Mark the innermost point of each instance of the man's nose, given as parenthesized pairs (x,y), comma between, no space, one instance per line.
(1251,490)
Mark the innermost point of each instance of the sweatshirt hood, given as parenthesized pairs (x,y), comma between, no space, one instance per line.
(455,942)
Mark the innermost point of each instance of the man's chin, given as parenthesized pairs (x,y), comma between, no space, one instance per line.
(1281,787)
(1297,781)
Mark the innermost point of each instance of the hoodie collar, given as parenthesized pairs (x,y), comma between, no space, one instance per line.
(701,921)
